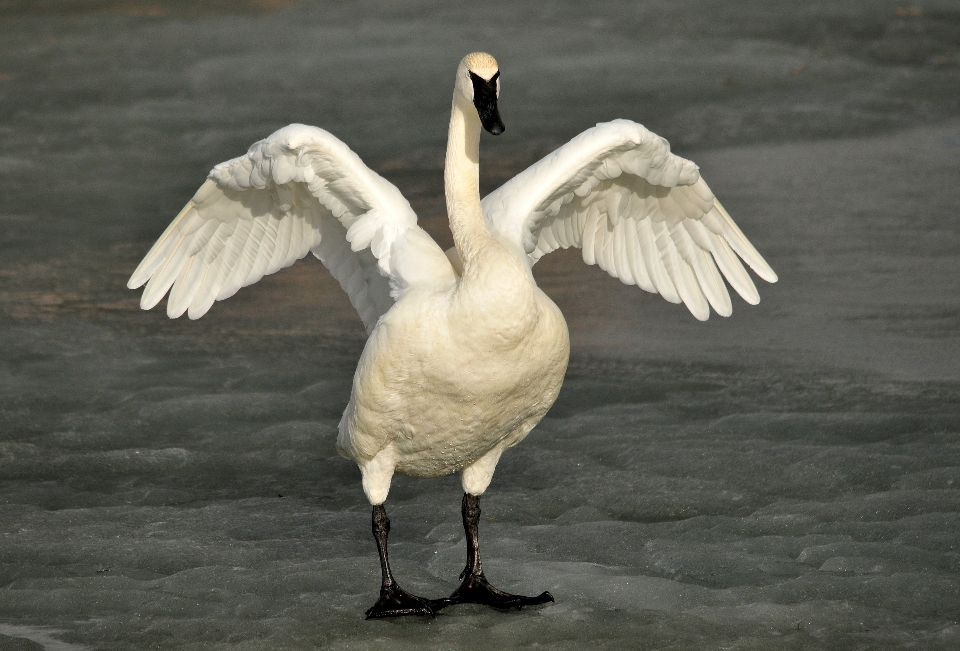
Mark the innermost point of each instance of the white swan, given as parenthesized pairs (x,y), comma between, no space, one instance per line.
(465,353)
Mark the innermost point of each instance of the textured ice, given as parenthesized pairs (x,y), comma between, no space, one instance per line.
(787,478)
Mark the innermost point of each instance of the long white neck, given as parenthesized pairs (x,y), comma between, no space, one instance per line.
(461,176)
(496,289)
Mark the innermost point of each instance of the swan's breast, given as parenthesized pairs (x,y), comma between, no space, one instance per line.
(446,391)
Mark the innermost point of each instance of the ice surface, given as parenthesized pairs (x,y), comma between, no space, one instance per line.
(786,478)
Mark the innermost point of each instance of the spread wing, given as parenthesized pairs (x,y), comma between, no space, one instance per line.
(299,190)
(640,212)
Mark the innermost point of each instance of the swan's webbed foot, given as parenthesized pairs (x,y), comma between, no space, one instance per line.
(475,589)
(395,602)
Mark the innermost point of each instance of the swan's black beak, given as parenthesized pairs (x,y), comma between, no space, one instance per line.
(485,99)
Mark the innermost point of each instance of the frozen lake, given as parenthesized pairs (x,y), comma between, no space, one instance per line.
(786,478)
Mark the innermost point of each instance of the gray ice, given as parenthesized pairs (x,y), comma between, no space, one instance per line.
(787,478)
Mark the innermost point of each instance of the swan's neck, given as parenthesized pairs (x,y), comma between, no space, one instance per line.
(461,176)
(495,288)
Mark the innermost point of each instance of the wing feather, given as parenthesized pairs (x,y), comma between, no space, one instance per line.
(622,260)
(744,249)
(591,218)
(553,239)
(282,245)
(232,276)
(170,239)
(262,253)
(170,268)
(641,213)
(192,277)
(704,243)
(179,299)
(213,278)
(671,261)
(604,239)
(655,263)
(705,272)
(261,212)
(733,270)
(635,256)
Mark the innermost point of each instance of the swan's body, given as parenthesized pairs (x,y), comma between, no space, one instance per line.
(441,388)
(465,353)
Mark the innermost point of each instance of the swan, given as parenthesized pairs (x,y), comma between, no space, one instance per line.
(465,354)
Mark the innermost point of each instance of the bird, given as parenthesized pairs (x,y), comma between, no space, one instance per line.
(465,353)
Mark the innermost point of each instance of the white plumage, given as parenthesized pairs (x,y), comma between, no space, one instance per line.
(299,190)
(642,214)
(465,353)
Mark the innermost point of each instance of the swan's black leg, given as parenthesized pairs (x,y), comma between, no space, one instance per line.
(475,589)
(394,600)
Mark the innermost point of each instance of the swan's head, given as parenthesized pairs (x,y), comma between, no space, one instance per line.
(478,81)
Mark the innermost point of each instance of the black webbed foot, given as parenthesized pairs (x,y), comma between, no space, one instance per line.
(475,589)
(395,602)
